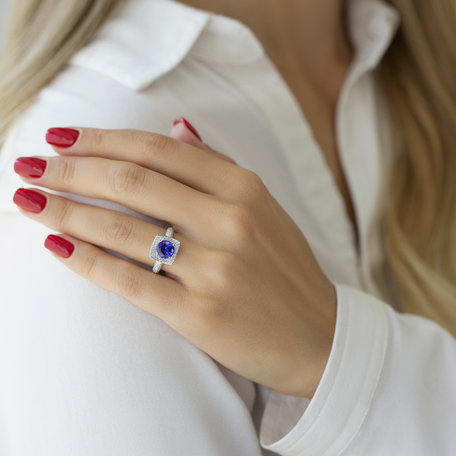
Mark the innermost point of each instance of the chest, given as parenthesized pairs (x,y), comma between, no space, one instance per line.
(324,131)
(319,106)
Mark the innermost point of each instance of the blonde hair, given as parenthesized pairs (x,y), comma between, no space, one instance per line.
(417,76)
(419,222)
(42,35)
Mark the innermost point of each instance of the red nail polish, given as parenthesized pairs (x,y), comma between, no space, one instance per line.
(29,200)
(29,166)
(188,125)
(59,246)
(61,137)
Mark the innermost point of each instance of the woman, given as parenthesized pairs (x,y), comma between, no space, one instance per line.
(294,245)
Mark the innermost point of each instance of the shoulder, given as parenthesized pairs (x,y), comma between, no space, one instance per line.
(142,41)
(148,64)
(111,82)
(77,97)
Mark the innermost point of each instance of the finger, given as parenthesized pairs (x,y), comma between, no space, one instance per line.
(192,166)
(141,189)
(183,131)
(119,232)
(154,293)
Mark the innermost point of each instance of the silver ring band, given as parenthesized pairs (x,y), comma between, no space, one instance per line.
(164,249)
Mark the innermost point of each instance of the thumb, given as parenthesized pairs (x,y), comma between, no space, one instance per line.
(184,131)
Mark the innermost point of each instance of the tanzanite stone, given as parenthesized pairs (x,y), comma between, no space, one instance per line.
(165,249)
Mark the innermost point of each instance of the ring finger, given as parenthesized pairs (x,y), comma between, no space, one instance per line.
(122,233)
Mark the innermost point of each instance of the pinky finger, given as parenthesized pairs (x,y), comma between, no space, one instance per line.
(181,132)
(155,293)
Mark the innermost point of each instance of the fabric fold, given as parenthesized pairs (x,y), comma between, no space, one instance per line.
(114,51)
(336,412)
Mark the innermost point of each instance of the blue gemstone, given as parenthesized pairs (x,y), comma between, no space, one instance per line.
(165,249)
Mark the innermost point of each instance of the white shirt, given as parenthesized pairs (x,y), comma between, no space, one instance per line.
(85,372)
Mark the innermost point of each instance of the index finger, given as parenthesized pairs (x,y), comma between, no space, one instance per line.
(190,165)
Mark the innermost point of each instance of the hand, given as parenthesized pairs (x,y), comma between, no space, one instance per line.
(245,287)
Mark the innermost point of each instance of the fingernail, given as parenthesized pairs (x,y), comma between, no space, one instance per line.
(59,246)
(29,200)
(188,125)
(29,166)
(61,137)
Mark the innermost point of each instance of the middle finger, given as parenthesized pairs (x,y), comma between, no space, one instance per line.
(146,191)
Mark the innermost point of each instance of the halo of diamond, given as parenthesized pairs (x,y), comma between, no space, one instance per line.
(153,249)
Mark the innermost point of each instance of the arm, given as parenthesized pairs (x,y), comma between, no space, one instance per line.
(84,371)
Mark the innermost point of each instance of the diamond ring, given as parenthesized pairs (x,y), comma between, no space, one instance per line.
(164,249)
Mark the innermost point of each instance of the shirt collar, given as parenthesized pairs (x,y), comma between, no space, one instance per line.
(372,25)
(145,39)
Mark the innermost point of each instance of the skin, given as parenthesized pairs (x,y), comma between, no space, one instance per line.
(289,31)
(276,326)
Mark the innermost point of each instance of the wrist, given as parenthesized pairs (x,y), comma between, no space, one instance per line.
(323,346)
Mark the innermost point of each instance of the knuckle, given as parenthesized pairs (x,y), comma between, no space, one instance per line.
(240,224)
(126,178)
(250,185)
(88,266)
(209,290)
(157,144)
(66,170)
(97,139)
(221,268)
(63,215)
(119,230)
(128,284)
(141,140)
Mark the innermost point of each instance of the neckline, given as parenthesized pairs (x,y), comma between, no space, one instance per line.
(372,24)
(191,31)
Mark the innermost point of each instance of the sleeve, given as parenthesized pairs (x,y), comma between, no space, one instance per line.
(389,388)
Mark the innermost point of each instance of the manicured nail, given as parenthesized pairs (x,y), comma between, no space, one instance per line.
(61,137)
(29,200)
(29,166)
(59,246)
(188,125)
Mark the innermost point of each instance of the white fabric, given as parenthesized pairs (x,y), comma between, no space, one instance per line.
(84,372)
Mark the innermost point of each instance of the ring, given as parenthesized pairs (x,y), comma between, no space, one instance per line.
(164,249)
